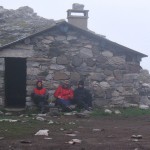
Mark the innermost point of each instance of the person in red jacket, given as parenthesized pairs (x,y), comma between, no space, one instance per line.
(40,96)
(64,95)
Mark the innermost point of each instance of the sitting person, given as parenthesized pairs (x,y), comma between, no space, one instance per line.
(40,96)
(82,97)
(64,95)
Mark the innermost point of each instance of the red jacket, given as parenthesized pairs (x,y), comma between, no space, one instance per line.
(40,92)
(64,93)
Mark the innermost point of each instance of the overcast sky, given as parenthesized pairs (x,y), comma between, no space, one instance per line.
(126,22)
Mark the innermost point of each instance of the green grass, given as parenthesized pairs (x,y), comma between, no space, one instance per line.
(28,126)
(134,112)
(125,112)
(99,112)
(20,128)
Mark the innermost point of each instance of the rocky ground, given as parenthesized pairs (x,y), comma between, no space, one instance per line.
(72,132)
(19,23)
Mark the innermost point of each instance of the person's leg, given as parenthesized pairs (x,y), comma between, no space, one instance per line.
(83,104)
(58,103)
(89,102)
(43,104)
(64,104)
(37,100)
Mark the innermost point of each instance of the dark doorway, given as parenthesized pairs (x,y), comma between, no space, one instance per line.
(15,82)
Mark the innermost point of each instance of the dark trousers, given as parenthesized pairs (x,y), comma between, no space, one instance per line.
(84,103)
(64,104)
(41,102)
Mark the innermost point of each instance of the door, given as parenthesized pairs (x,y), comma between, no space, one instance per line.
(15,82)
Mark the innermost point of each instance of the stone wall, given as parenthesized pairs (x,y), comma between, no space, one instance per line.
(55,56)
(76,57)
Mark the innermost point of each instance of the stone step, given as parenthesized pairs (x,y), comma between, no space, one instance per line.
(14,109)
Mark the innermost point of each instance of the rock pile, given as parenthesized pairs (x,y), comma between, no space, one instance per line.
(24,21)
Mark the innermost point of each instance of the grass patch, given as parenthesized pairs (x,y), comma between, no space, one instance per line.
(23,128)
(125,112)
(129,112)
(28,126)
(99,112)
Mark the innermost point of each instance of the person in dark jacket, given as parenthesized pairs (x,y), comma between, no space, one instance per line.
(64,95)
(40,96)
(82,97)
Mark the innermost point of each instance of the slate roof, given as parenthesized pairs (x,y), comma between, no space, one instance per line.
(87,32)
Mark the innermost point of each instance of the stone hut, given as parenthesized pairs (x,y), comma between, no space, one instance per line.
(69,50)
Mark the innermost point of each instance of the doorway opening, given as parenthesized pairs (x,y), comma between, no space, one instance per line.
(15,82)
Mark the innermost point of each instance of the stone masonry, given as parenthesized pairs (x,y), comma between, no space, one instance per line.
(53,56)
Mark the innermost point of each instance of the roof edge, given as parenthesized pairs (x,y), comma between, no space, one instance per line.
(83,30)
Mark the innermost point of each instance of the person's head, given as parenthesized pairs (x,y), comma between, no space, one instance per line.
(66,84)
(39,84)
(81,84)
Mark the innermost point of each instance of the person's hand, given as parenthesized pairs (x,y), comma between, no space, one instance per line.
(59,96)
(69,96)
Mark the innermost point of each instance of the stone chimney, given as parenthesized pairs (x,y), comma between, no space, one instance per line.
(77,16)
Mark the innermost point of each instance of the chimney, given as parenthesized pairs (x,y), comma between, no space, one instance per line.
(77,16)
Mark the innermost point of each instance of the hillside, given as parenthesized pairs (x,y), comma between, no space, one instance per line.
(15,24)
